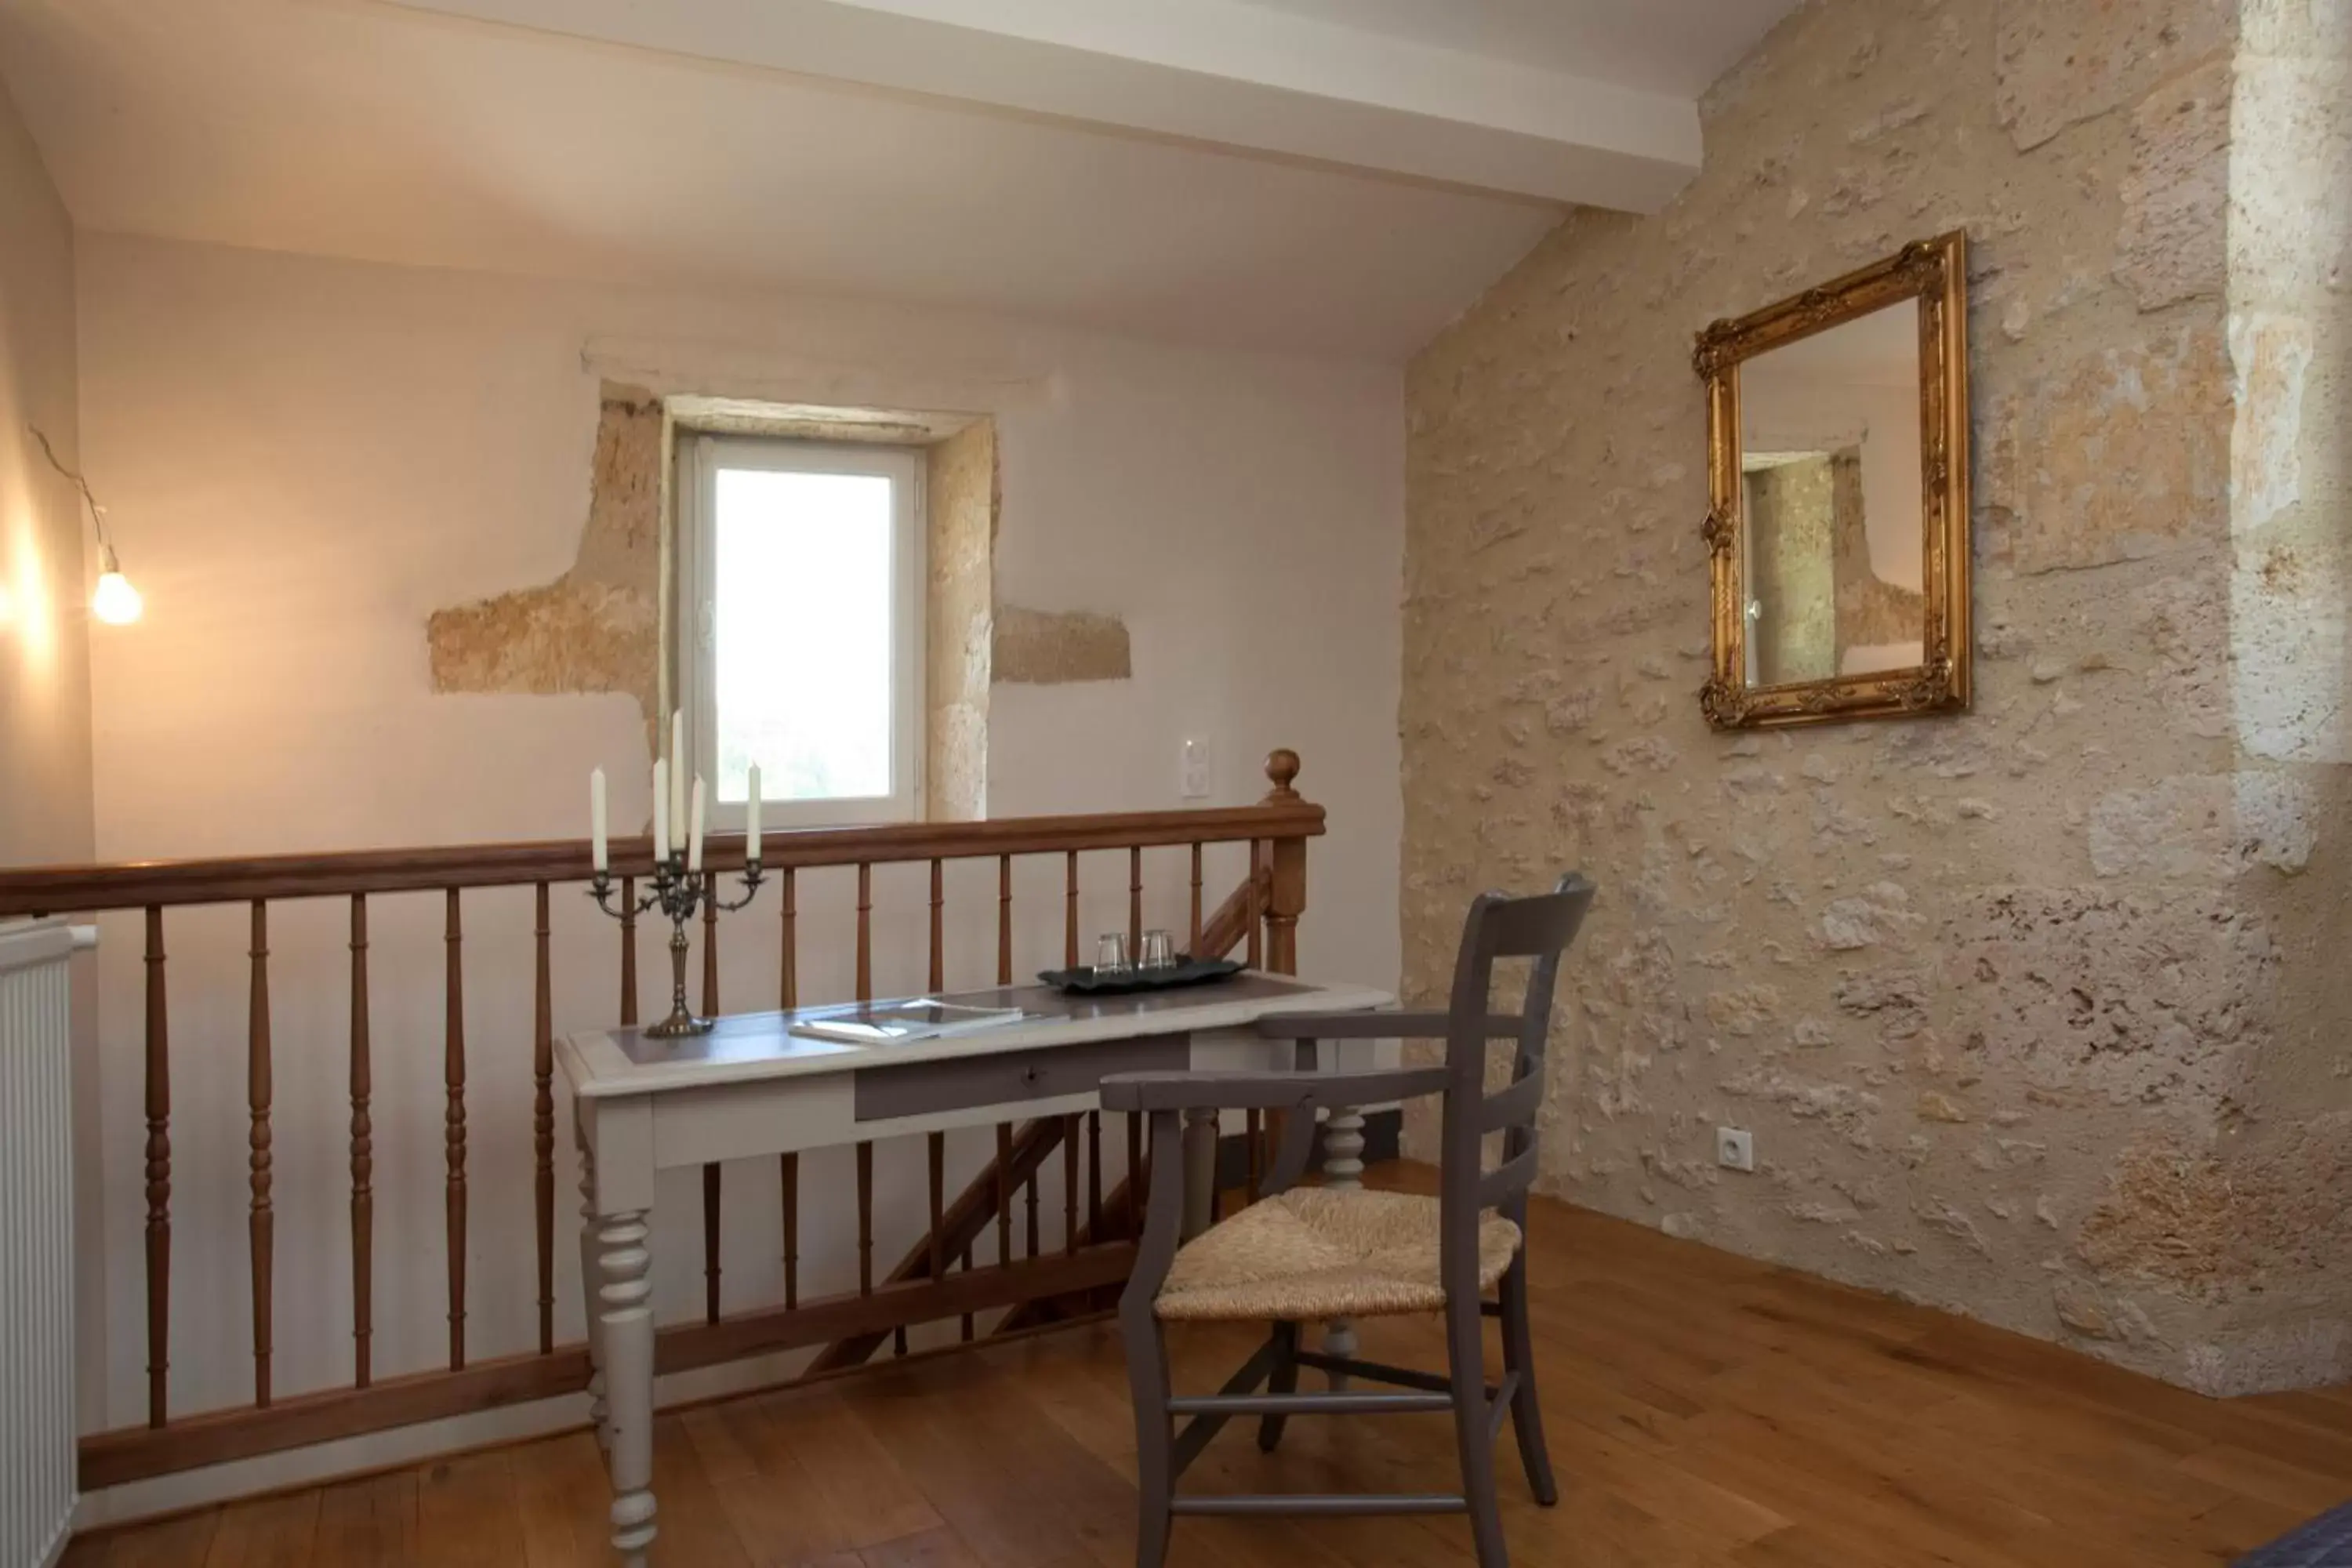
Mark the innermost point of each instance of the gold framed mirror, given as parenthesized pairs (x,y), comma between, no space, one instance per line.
(1837,526)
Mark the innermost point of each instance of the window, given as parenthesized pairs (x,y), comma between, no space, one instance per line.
(803,578)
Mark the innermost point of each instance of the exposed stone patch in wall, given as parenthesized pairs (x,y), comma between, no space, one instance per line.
(1047,648)
(960,494)
(598,626)
(2008,999)
(2119,454)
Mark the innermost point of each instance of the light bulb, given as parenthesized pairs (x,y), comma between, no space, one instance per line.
(115,601)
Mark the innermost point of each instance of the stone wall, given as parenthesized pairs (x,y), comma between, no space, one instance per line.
(2035,1012)
(961,500)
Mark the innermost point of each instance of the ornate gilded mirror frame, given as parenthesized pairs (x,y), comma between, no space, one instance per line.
(1935,273)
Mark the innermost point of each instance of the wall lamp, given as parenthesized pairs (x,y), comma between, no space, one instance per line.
(114,601)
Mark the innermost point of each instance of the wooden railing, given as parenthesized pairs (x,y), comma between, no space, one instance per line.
(934,1282)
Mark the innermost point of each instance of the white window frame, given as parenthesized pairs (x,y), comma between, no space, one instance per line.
(699,457)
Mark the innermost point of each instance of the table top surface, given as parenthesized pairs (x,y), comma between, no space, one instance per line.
(745,1047)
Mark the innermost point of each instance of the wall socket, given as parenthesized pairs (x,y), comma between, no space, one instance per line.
(1735,1148)
(1195,774)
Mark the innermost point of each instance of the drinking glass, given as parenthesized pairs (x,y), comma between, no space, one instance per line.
(1111,955)
(1158,950)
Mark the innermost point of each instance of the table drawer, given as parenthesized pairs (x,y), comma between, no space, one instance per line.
(960,1083)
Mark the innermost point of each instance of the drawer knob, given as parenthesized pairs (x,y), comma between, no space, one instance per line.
(1031,1075)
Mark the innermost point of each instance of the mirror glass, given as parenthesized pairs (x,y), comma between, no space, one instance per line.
(1830,490)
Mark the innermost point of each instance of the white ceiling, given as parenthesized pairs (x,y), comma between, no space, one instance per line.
(1086,165)
(1676,46)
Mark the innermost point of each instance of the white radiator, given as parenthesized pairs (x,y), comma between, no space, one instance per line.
(37,1265)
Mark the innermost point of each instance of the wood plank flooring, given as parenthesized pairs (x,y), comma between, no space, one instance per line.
(1703,1410)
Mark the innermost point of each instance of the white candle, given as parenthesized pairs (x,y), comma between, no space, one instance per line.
(678,775)
(596,819)
(693,830)
(752,820)
(661,809)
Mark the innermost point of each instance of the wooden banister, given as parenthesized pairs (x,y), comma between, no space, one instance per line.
(936,1280)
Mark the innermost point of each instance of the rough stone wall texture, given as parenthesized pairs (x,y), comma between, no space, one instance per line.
(598,626)
(1053,647)
(961,489)
(2037,1013)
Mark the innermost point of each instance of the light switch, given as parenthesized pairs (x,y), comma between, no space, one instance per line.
(1193,778)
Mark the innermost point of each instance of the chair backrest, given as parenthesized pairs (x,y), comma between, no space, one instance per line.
(1538,928)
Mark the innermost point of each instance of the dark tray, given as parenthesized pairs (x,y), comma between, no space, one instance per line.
(1188,972)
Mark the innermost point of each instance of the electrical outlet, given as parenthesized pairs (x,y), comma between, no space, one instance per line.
(1735,1148)
(1193,778)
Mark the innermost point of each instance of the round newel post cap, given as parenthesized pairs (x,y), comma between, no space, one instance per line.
(1282,767)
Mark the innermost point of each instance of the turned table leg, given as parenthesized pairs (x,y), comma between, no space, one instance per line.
(1343,1166)
(626,1323)
(597,1413)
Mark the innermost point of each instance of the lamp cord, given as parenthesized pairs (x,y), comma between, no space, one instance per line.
(97,512)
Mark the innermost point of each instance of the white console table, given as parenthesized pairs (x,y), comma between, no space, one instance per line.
(751,1088)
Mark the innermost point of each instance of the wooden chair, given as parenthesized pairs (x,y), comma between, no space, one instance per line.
(1308,1255)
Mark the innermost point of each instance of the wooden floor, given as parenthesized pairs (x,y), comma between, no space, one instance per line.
(1703,1410)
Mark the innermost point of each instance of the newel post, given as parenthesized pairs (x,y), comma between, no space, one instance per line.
(1286,892)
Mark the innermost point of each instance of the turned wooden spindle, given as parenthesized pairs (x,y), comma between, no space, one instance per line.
(259,1221)
(453,1080)
(711,1176)
(710,1242)
(1005,920)
(1004,1192)
(789,983)
(159,1175)
(967,1325)
(938,934)
(1029,1207)
(1094,1174)
(710,957)
(1192,938)
(865,930)
(543,1117)
(363,1077)
(1135,904)
(789,1167)
(1070,1183)
(866,1219)
(938,1151)
(628,950)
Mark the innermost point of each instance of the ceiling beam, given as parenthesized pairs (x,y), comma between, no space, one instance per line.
(1219,72)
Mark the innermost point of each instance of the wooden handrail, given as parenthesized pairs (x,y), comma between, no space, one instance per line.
(80,889)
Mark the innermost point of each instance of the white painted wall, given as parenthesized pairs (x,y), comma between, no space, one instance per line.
(309,456)
(44,629)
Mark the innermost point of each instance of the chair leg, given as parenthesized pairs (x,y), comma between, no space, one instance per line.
(1518,1355)
(1282,1379)
(1464,1346)
(1155,1458)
